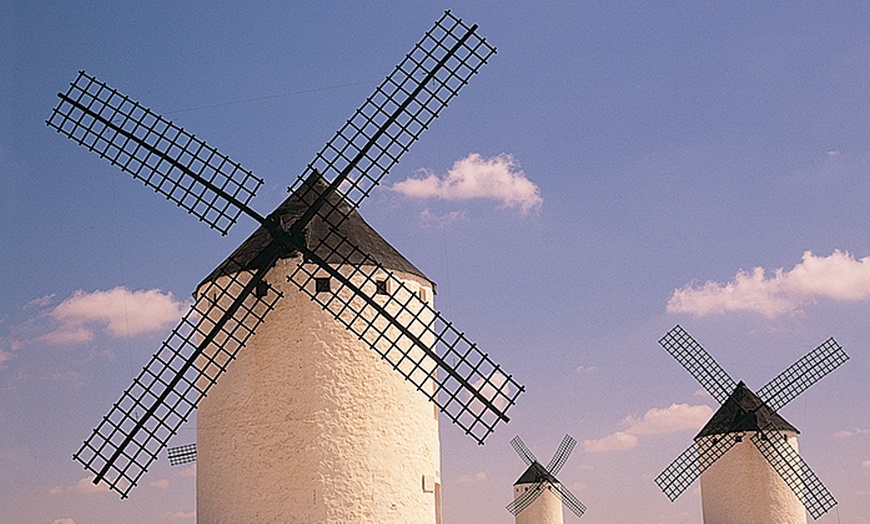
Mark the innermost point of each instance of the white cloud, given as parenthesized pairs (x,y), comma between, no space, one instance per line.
(162,484)
(480,476)
(494,389)
(475,177)
(839,276)
(656,421)
(41,301)
(4,356)
(119,312)
(676,417)
(845,433)
(84,486)
(618,441)
(435,220)
(180,515)
(187,472)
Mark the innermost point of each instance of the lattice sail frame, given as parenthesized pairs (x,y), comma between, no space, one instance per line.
(786,386)
(180,455)
(168,389)
(465,384)
(786,461)
(401,108)
(802,374)
(163,156)
(217,190)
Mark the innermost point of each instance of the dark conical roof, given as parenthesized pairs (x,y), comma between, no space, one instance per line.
(254,251)
(534,474)
(744,411)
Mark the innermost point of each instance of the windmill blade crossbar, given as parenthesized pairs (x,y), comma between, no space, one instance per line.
(395,115)
(181,454)
(165,157)
(168,389)
(803,374)
(680,474)
(786,461)
(569,500)
(524,452)
(525,500)
(561,455)
(698,363)
(411,336)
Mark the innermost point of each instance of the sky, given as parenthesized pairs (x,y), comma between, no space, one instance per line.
(616,169)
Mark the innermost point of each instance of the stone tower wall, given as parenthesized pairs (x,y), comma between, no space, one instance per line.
(309,425)
(546,509)
(742,487)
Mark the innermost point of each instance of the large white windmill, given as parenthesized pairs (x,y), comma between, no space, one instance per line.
(307,424)
(747,454)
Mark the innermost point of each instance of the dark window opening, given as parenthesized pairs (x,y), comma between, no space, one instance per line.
(321,284)
(381,287)
(261,290)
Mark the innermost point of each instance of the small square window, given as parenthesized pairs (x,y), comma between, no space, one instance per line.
(381,287)
(261,290)
(321,284)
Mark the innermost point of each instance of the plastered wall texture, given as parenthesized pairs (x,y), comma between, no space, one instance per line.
(742,488)
(546,509)
(310,425)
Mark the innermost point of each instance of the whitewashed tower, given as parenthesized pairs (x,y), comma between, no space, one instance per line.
(742,486)
(747,454)
(309,424)
(333,364)
(538,494)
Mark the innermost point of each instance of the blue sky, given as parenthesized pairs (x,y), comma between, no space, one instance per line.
(650,158)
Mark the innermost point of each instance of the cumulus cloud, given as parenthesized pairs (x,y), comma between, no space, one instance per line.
(84,486)
(676,417)
(839,276)
(480,476)
(430,218)
(161,484)
(618,441)
(180,515)
(119,312)
(4,356)
(845,433)
(495,389)
(497,178)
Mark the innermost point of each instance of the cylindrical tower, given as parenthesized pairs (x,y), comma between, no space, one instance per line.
(742,487)
(309,424)
(547,506)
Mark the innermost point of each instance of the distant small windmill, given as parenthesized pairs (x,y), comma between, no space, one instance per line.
(306,420)
(538,494)
(762,478)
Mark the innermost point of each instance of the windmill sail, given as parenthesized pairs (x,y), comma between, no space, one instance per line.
(426,349)
(168,389)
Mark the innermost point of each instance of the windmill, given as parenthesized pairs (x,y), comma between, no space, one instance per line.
(312,285)
(538,494)
(761,478)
